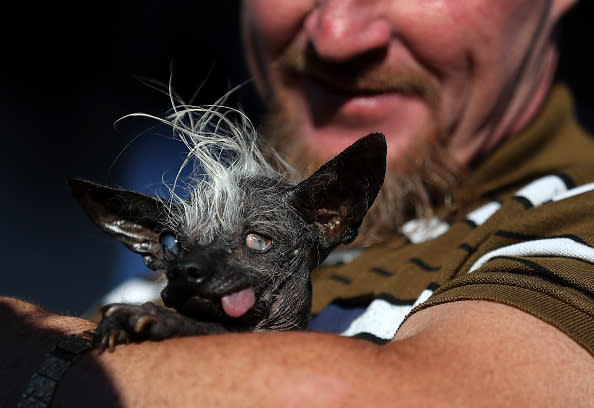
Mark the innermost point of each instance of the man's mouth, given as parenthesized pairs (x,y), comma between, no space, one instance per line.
(357,91)
(352,105)
(345,88)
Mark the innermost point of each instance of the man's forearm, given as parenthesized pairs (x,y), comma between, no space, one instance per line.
(256,369)
(248,369)
(460,354)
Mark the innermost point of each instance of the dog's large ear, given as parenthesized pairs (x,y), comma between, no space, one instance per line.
(337,196)
(131,218)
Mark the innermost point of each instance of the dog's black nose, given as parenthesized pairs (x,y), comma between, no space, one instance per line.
(192,272)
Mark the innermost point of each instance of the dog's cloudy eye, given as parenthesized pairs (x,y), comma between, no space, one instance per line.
(257,242)
(169,245)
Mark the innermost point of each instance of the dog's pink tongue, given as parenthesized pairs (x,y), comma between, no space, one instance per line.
(237,303)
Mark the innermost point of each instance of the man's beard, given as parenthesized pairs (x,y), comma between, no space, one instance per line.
(425,180)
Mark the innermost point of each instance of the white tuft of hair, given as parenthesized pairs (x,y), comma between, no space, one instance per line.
(223,150)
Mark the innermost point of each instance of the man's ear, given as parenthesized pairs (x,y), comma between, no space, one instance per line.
(131,218)
(337,196)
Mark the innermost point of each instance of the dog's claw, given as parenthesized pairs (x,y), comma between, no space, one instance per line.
(144,321)
(102,344)
(110,310)
(111,341)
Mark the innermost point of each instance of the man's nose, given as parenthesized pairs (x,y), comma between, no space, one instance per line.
(344,29)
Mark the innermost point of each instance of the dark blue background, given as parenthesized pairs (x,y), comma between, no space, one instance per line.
(68,72)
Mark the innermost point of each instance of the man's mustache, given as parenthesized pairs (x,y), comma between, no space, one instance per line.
(365,74)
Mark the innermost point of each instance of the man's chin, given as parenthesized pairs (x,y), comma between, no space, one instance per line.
(323,144)
(315,146)
(408,130)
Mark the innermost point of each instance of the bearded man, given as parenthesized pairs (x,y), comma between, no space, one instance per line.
(477,276)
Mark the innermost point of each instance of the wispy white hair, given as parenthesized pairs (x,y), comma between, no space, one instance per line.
(223,150)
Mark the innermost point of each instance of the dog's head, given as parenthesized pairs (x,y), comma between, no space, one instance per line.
(242,253)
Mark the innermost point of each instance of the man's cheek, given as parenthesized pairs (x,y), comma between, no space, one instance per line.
(274,22)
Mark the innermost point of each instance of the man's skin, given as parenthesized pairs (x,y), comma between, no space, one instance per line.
(487,66)
(454,355)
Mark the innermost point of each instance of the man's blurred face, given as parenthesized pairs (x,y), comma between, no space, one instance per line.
(454,75)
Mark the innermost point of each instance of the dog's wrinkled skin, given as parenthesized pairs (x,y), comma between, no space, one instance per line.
(256,275)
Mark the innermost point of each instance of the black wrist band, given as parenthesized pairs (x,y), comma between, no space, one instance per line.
(42,387)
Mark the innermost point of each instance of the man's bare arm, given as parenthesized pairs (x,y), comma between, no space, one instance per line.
(465,353)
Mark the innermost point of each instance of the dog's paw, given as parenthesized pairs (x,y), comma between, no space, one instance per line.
(123,323)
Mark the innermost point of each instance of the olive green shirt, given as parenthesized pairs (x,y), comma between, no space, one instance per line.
(528,243)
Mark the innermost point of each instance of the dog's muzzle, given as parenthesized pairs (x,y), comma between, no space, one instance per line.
(202,285)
